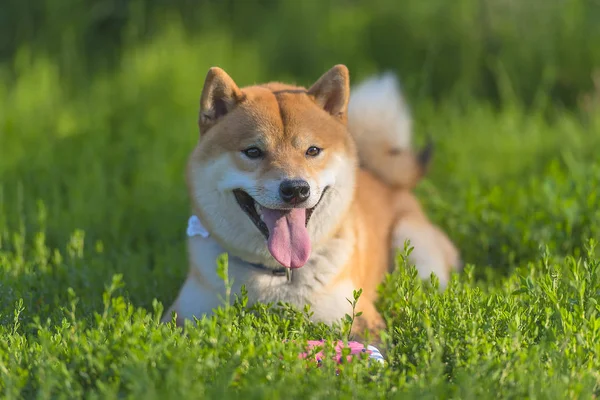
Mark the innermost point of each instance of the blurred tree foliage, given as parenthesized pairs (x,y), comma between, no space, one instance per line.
(495,49)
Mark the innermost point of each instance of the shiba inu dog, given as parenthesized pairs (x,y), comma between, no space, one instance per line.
(309,193)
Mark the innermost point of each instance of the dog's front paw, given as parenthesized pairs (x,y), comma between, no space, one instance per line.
(369,324)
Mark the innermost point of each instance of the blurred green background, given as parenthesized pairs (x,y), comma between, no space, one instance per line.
(442,48)
(98,111)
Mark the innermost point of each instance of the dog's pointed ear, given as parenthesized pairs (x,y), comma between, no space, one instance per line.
(219,96)
(332,91)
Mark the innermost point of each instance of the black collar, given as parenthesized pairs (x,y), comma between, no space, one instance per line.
(281,271)
(275,271)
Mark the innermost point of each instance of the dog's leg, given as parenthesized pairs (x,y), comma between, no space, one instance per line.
(432,250)
(370,320)
(451,253)
(194,300)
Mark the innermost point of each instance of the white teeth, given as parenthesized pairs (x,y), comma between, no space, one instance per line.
(258,209)
(262,218)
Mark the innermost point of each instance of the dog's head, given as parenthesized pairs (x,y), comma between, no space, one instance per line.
(274,170)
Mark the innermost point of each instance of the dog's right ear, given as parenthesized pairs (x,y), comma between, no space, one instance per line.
(219,96)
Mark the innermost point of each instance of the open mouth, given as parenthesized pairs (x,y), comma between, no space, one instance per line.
(286,231)
(255,210)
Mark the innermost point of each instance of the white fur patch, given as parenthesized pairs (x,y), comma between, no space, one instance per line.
(234,179)
(309,284)
(329,176)
(331,305)
(194,300)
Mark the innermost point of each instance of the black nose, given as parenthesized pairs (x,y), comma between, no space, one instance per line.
(294,191)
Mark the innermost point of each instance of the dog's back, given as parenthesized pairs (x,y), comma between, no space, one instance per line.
(380,122)
(275,183)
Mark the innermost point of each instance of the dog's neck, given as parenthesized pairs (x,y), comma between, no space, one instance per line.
(195,228)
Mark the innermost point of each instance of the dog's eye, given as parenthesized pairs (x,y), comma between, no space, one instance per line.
(253,152)
(313,151)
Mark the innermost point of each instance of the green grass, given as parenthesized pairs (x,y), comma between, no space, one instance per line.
(92,215)
(461,47)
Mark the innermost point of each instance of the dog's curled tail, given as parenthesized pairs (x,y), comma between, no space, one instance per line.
(380,122)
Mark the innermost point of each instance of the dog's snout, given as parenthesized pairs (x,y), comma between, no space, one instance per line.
(294,191)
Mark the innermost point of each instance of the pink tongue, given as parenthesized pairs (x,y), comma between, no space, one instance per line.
(288,242)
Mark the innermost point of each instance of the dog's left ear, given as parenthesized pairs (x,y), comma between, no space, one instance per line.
(332,91)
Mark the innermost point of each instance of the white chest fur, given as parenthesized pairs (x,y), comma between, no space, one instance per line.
(312,284)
